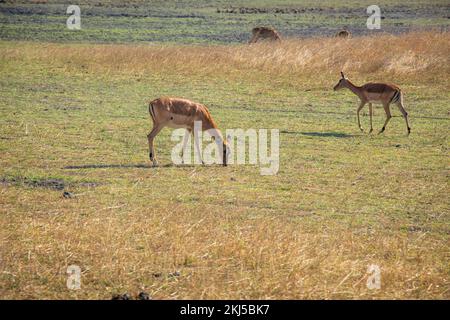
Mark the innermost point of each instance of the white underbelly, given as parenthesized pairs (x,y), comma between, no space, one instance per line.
(179,121)
(174,125)
(373,98)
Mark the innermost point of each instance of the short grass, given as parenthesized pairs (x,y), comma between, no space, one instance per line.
(342,200)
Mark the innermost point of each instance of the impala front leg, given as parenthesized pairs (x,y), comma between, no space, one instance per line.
(357,113)
(197,147)
(370,114)
(185,141)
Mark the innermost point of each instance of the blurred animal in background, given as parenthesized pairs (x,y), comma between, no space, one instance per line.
(264,33)
(343,34)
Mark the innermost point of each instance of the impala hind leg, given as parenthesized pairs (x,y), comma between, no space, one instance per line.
(357,114)
(405,114)
(388,117)
(151,136)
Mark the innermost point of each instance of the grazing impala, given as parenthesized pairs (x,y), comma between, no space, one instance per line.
(182,113)
(264,33)
(376,92)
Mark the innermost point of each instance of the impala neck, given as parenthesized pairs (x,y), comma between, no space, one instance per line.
(355,89)
(218,137)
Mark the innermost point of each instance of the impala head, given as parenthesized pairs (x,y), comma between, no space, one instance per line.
(342,82)
(226,152)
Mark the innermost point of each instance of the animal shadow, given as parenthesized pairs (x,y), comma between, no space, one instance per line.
(321,134)
(121,166)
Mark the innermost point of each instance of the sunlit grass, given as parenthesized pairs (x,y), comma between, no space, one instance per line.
(341,201)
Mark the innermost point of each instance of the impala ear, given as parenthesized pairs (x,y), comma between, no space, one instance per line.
(342,75)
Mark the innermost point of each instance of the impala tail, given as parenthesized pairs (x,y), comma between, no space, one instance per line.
(151,111)
(396,97)
(151,107)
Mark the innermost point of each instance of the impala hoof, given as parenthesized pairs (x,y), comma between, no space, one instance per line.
(362,130)
(370,130)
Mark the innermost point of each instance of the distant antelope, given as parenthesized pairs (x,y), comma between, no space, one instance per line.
(264,33)
(181,113)
(343,34)
(376,92)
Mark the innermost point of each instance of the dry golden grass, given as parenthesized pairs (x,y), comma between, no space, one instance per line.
(224,254)
(337,206)
(419,56)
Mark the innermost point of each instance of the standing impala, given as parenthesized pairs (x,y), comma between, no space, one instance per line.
(182,113)
(376,92)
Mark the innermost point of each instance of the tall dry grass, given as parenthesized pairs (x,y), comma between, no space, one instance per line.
(418,56)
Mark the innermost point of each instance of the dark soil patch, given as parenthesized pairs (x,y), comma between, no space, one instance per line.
(247,10)
(48,183)
(126,296)
(399,11)
(67,108)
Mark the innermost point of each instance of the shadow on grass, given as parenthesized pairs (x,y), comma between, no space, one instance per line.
(321,134)
(120,166)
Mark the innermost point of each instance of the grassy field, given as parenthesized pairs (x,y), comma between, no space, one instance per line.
(74,118)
